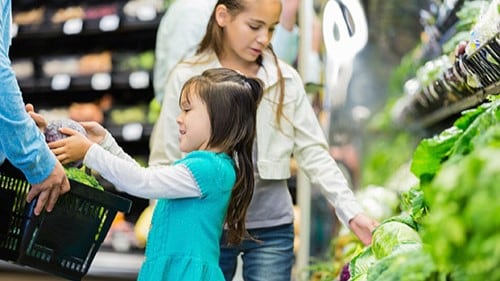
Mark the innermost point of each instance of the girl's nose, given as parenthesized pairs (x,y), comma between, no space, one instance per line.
(264,37)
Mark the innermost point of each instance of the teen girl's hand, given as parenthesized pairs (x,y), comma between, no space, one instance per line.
(362,226)
(72,148)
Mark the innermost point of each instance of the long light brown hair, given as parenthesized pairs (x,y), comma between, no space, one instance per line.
(231,99)
(214,40)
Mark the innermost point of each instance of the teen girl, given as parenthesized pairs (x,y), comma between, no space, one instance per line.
(209,187)
(237,36)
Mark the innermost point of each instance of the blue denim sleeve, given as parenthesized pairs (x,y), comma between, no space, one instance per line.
(20,140)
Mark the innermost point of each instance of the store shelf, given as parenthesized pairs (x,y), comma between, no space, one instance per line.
(131,132)
(108,31)
(457,107)
(104,81)
(464,85)
(78,27)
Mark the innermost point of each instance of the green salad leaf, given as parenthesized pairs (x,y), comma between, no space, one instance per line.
(462,226)
(392,234)
(360,264)
(430,153)
(416,265)
(79,175)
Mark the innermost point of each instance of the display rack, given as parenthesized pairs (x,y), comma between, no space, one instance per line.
(113,32)
(464,85)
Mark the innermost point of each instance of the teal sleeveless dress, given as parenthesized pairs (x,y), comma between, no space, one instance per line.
(183,242)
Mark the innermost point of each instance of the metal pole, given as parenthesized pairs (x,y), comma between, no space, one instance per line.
(306,13)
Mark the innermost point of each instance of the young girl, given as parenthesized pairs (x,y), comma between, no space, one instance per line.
(237,37)
(200,192)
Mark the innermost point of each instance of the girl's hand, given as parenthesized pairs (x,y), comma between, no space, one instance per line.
(72,148)
(363,227)
(95,132)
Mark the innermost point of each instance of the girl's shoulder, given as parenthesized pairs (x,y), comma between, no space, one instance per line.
(202,160)
(205,164)
(205,154)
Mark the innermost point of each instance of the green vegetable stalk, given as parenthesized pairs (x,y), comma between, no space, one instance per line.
(79,175)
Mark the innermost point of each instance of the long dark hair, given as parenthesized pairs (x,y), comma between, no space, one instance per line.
(214,40)
(232,99)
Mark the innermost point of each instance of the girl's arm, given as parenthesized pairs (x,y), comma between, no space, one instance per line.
(151,183)
(75,146)
(120,169)
(110,144)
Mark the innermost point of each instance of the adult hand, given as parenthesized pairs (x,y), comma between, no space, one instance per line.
(72,148)
(40,121)
(48,191)
(363,226)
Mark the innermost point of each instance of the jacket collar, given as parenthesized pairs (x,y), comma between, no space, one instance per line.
(267,72)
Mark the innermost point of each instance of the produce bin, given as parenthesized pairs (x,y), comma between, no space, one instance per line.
(63,242)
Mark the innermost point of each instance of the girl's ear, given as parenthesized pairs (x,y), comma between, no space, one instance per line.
(222,15)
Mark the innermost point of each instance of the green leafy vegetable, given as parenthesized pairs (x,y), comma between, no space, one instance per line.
(360,264)
(80,176)
(413,202)
(462,226)
(414,265)
(430,153)
(392,234)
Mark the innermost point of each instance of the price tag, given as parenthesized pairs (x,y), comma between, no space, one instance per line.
(132,131)
(139,80)
(73,26)
(60,82)
(109,23)
(14,29)
(146,13)
(100,81)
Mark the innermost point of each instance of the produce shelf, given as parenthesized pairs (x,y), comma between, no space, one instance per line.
(464,85)
(458,106)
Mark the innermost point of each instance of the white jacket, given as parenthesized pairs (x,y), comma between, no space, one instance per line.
(300,134)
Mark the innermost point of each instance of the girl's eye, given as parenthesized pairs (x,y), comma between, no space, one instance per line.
(254,27)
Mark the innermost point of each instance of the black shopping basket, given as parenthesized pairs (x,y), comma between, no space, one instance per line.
(63,242)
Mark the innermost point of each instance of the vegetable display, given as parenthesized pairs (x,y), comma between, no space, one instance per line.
(449,226)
